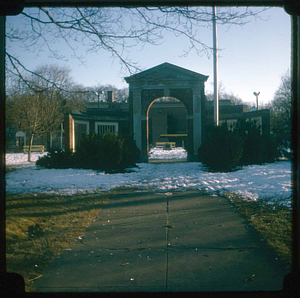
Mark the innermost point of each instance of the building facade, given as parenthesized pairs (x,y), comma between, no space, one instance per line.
(166,103)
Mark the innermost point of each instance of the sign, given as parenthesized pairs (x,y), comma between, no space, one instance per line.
(20,134)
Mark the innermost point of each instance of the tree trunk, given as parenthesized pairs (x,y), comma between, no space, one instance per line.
(61,136)
(51,136)
(30,145)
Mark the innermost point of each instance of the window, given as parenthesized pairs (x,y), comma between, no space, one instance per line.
(103,127)
(81,130)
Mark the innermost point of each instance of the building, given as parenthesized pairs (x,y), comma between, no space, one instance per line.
(166,103)
(99,118)
(167,120)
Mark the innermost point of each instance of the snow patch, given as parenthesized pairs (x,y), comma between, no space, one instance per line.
(21,159)
(254,182)
(175,153)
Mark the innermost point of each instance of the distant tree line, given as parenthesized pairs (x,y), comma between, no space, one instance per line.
(223,94)
(281,112)
(92,93)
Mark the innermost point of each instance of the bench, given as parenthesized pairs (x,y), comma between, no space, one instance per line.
(165,145)
(34,148)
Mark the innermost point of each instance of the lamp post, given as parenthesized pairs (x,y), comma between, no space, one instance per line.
(256,94)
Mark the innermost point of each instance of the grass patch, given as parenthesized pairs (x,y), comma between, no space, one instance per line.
(273,223)
(39,227)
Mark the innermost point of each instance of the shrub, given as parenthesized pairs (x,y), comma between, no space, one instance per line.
(107,152)
(56,159)
(257,148)
(222,149)
(100,152)
(130,153)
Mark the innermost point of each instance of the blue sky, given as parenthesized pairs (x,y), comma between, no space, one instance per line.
(252,57)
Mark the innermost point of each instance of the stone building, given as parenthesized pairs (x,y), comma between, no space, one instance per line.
(166,103)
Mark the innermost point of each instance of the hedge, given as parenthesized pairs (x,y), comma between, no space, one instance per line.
(108,152)
(225,149)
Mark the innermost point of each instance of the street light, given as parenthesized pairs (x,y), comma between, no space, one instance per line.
(256,94)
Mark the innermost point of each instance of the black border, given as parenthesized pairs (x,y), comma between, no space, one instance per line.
(12,284)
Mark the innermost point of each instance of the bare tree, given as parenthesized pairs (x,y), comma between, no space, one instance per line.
(121,94)
(38,103)
(27,112)
(281,110)
(223,94)
(14,113)
(116,30)
(53,80)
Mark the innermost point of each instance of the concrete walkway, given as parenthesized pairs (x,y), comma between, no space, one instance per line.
(181,241)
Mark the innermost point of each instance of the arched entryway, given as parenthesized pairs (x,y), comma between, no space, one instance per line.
(166,80)
(167,122)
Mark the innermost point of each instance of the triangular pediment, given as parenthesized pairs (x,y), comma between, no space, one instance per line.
(166,72)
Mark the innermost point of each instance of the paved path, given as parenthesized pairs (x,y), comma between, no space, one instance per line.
(181,241)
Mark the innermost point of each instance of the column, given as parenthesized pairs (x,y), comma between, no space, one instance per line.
(190,138)
(197,137)
(69,133)
(144,155)
(137,120)
(72,133)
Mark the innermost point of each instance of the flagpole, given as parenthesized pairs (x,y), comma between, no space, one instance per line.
(215,54)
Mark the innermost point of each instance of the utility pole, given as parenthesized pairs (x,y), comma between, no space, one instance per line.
(256,94)
(215,54)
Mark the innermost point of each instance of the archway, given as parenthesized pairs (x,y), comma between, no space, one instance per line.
(166,80)
(166,124)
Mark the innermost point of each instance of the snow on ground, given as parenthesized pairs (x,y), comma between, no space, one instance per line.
(268,181)
(21,159)
(160,153)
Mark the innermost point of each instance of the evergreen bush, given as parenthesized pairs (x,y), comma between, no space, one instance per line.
(100,152)
(222,149)
(130,153)
(258,148)
(107,152)
(57,160)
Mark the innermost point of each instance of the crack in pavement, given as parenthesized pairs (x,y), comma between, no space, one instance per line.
(177,247)
(167,246)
